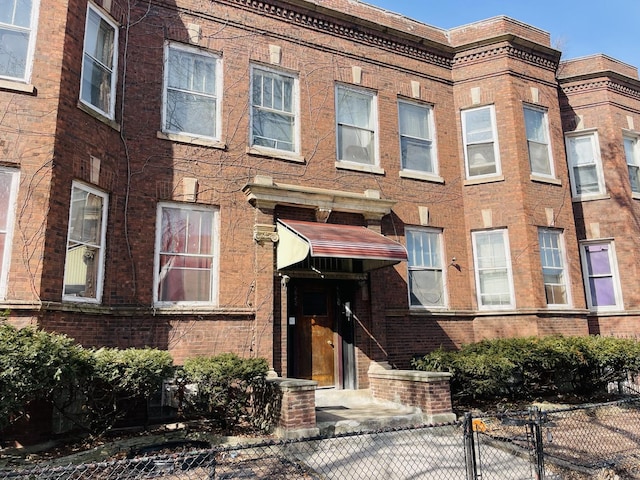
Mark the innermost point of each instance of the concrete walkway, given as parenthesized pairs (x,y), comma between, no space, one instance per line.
(343,411)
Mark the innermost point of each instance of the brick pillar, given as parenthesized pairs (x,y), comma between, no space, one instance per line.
(298,410)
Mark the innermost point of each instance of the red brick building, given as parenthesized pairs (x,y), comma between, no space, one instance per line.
(321,183)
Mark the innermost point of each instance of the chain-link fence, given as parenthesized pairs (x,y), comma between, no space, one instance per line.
(523,445)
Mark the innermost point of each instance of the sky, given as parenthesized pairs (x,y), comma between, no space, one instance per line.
(578,28)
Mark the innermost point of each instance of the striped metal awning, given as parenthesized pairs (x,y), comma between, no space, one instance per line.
(298,240)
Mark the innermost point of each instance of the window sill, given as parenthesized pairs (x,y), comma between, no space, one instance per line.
(359,167)
(590,198)
(98,116)
(182,138)
(277,154)
(635,196)
(427,177)
(16,86)
(541,179)
(479,181)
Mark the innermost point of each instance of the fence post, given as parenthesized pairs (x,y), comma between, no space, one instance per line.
(470,448)
(535,422)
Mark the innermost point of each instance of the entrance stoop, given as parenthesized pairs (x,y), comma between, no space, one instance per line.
(343,411)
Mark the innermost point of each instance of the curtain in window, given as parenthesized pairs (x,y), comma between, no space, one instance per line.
(6,180)
(493,273)
(426,284)
(601,284)
(633,163)
(537,141)
(186,256)
(415,138)
(355,127)
(584,165)
(479,140)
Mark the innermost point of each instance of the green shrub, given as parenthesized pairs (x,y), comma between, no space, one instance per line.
(122,380)
(524,368)
(38,365)
(226,387)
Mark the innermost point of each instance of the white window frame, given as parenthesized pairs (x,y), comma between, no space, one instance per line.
(544,143)
(428,142)
(215,97)
(9,229)
(493,140)
(479,271)
(99,277)
(294,114)
(371,128)
(632,153)
(31,32)
(554,258)
(215,240)
(426,259)
(110,113)
(614,274)
(592,135)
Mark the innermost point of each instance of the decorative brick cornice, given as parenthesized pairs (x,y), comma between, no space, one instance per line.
(344,29)
(611,85)
(507,50)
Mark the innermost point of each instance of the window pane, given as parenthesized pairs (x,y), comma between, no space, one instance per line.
(581,150)
(634,178)
(191,113)
(414,121)
(586,179)
(416,154)
(602,291)
(539,158)
(355,109)
(6,180)
(426,288)
(186,255)
(478,125)
(535,125)
(355,145)
(598,261)
(98,62)
(13,53)
(481,159)
(494,287)
(98,40)
(273,130)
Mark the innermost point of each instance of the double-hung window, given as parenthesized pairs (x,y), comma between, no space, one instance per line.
(191,92)
(482,158)
(417,145)
(274,110)
(356,125)
(537,128)
(8,192)
(585,167)
(554,273)
(84,263)
(494,280)
(17,38)
(99,64)
(632,152)
(601,276)
(185,255)
(426,274)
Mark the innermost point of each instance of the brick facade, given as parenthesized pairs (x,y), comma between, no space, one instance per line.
(53,140)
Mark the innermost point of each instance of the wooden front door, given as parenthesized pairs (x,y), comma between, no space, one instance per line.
(314,335)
